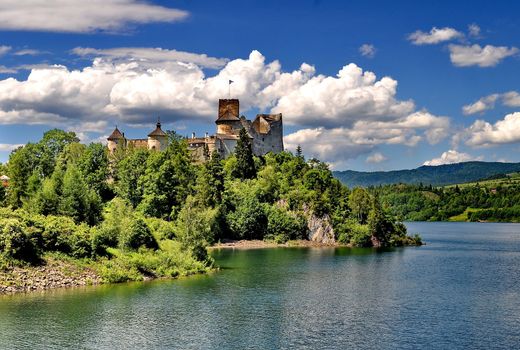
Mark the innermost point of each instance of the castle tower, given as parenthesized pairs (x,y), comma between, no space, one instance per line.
(157,139)
(228,121)
(115,140)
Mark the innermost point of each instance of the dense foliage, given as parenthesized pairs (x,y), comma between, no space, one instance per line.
(475,202)
(139,212)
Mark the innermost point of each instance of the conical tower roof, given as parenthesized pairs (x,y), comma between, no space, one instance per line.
(116,135)
(158,131)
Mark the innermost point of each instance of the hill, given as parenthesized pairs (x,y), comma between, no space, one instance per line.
(428,175)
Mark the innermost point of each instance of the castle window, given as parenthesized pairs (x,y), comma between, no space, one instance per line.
(263,139)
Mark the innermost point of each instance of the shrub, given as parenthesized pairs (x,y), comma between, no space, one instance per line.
(138,235)
(283,225)
(15,243)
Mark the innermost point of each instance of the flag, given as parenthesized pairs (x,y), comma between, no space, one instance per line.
(231,81)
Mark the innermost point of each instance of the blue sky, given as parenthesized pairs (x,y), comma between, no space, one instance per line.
(363,85)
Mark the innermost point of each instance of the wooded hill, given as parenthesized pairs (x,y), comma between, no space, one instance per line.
(428,175)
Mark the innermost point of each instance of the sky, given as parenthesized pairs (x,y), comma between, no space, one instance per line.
(362,85)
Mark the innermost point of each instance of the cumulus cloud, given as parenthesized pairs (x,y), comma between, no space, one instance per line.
(376,158)
(4,69)
(343,116)
(79,16)
(341,143)
(4,49)
(329,101)
(367,50)
(154,57)
(474,30)
(475,55)
(450,157)
(510,99)
(482,133)
(435,36)
(483,104)
(7,147)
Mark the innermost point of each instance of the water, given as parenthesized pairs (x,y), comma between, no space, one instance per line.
(461,291)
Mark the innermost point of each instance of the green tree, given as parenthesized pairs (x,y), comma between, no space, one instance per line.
(379,226)
(360,204)
(77,200)
(128,172)
(210,182)
(93,165)
(245,166)
(299,152)
(248,220)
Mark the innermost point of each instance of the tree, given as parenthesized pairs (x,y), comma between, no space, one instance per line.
(359,202)
(128,172)
(210,182)
(93,164)
(245,166)
(299,153)
(379,226)
(77,200)
(168,180)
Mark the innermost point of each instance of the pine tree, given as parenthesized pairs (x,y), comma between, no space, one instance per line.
(245,167)
(299,153)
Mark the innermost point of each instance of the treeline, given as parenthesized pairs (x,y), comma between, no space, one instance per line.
(467,203)
(142,209)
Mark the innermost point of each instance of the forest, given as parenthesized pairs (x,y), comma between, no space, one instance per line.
(493,201)
(139,213)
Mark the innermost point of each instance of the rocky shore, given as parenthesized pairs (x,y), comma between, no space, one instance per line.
(54,274)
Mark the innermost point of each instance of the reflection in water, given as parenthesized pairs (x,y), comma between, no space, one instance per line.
(459,291)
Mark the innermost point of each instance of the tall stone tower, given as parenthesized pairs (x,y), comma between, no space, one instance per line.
(116,140)
(157,139)
(228,120)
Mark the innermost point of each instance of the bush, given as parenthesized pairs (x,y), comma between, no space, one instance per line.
(138,235)
(15,243)
(102,239)
(249,220)
(283,225)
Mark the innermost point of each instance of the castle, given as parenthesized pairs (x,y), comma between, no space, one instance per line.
(265,133)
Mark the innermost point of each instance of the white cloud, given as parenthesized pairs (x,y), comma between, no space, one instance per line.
(344,115)
(4,70)
(339,144)
(482,133)
(474,30)
(28,52)
(80,16)
(475,55)
(7,147)
(4,49)
(339,101)
(450,157)
(435,36)
(483,104)
(367,50)
(154,57)
(376,158)
(510,99)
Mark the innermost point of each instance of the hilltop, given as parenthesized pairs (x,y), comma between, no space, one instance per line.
(440,175)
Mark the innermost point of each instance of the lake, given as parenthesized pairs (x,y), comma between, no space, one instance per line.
(460,291)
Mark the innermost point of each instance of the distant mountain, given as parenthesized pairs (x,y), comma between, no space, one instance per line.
(435,175)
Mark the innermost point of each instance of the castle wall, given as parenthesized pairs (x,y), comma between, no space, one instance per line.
(272,141)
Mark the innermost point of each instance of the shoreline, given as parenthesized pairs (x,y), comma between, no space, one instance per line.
(259,244)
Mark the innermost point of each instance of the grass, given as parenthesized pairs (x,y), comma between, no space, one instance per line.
(509,180)
(464,215)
